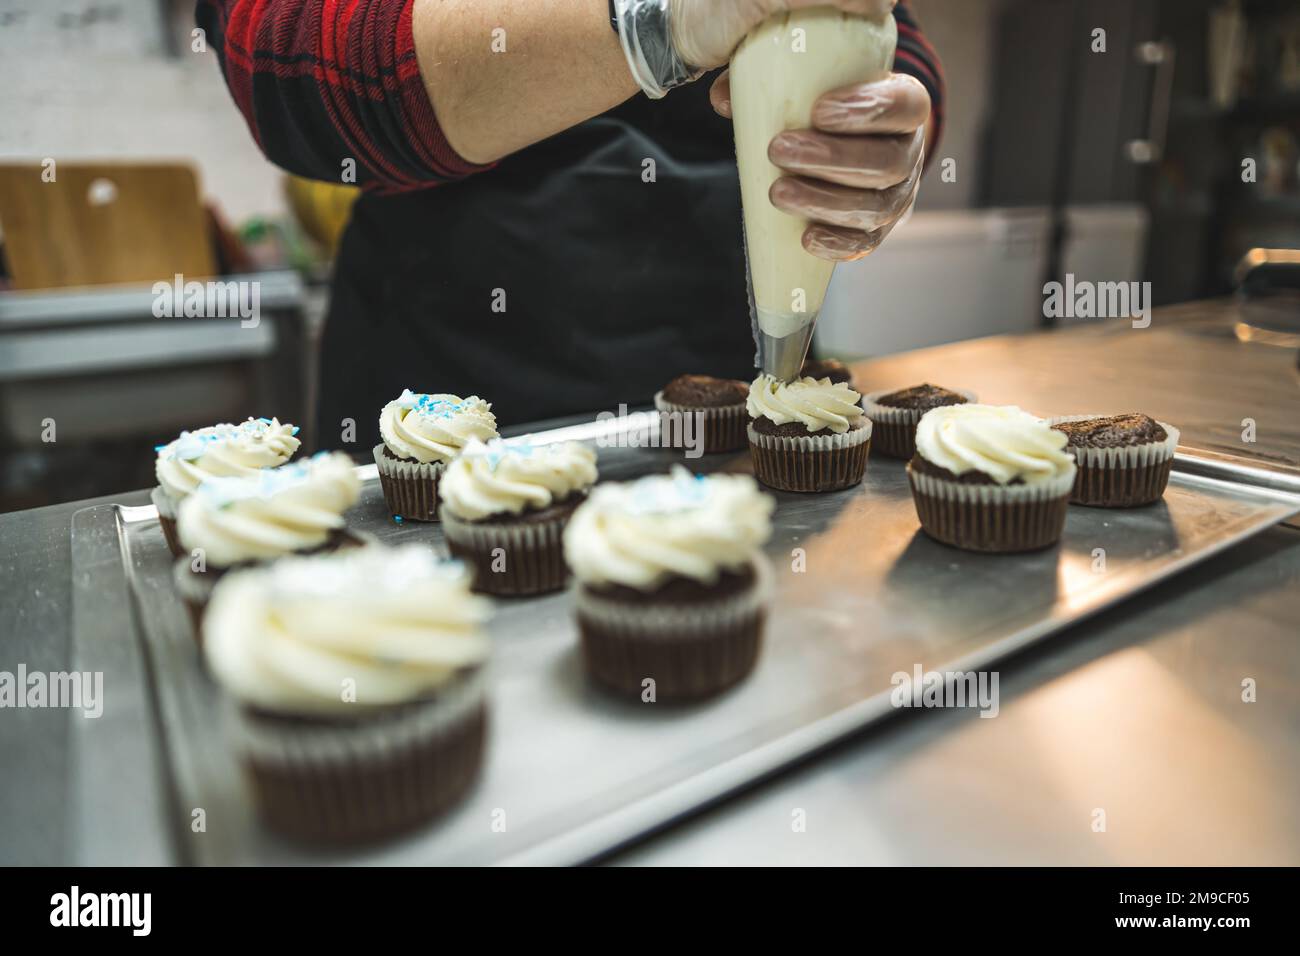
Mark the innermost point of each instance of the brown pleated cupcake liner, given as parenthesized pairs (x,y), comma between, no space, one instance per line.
(167,520)
(1126,477)
(410,488)
(724,426)
(1099,486)
(813,463)
(532,552)
(689,650)
(991,518)
(894,429)
(327,783)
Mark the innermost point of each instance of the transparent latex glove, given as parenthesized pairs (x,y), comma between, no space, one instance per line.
(854,175)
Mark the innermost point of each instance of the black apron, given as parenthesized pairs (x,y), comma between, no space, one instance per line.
(611,285)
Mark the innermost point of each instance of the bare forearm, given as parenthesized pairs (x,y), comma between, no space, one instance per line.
(503,74)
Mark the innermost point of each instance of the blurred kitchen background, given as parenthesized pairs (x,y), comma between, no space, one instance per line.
(1117,166)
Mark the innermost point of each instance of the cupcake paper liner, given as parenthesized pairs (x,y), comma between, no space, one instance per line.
(724,426)
(819,462)
(533,552)
(341,782)
(167,519)
(992,518)
(410,487)
(1121,477)
(689,650)
(895,428)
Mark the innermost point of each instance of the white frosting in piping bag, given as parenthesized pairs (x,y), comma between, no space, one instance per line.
(642,533)
(436,427)
(1000,441)
(271,513)
(223,450)
(816,404)
(394,623)
(497,478)
(776,76)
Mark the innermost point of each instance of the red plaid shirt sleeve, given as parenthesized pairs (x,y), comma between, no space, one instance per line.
(322,82)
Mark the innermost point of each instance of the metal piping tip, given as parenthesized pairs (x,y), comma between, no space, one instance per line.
(783,358)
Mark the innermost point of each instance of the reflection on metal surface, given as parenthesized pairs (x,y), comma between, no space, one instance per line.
(1251,333)
(578,772)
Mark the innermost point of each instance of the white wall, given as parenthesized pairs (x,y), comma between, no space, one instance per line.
(963,32)
(89,79)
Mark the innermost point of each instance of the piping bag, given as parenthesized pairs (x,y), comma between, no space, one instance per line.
(777,73)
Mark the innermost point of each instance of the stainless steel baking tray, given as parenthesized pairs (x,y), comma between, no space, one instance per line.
(571,773)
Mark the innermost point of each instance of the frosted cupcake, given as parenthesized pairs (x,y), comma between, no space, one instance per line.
(357,679)
(807,435)
(894,414)
(1124,460)
(232,522)
(219,450)
(421,434)
(504,509)
(672,587)
(990,478)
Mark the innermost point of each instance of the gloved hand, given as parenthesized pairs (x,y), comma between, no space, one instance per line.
(855,173)
(707,32)
(671,42)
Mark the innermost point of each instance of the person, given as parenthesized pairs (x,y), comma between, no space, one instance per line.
(508,242)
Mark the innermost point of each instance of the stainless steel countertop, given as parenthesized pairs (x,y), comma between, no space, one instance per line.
(1137,712)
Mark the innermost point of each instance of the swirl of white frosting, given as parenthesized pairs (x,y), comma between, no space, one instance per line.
(814,403)
(344,632)
(644,532)
(427,428)
(270,513)
(223,450)
(1000,441)
(501,478)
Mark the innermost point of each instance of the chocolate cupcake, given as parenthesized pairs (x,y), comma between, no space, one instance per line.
(833,369)
(421,434)
(672,588)
(716,406)
(807,435)
(1124,460)
(894,415)
(233,523)
(990,478)
(216,451)
(504,509)
(355,686)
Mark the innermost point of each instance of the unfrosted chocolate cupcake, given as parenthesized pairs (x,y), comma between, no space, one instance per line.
(807,435)
(990,478)
(714,405)
(1124,460)
(672,587)
(894,415)
(504,509)
(355,688)
(833,369)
